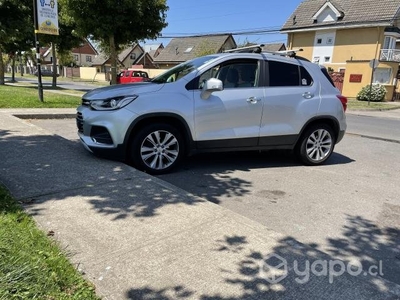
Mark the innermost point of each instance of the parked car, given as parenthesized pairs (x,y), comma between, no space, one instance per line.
(129,76)
(222,102)
(45,72)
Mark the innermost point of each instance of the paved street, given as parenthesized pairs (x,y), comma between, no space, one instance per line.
(348,208)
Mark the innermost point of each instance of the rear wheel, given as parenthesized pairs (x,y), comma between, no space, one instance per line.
(157,148)
(316,144)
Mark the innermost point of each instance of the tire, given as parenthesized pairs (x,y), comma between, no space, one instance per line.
(157,148)
(316,144)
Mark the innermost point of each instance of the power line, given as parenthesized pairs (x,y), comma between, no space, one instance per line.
(249,32)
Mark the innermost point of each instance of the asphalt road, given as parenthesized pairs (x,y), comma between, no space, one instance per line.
(349,208)
(47,81)
(370,126)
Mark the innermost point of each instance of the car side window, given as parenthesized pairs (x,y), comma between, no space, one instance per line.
(305,77)
(286,74)
(234,74)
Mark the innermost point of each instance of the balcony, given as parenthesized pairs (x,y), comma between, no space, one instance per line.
(390,55)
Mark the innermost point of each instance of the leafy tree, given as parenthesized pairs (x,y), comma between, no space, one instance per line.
(117,22)
(16,30)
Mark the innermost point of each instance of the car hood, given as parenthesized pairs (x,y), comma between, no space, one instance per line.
(122,90)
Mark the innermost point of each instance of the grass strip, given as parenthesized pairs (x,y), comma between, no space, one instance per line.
(32,265)
(27,97)
(354,104)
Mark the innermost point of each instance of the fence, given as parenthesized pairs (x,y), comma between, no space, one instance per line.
(337,78)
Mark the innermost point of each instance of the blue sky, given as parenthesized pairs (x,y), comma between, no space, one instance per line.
(214,16)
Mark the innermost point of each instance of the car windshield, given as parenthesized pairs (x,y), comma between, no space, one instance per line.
(182,70)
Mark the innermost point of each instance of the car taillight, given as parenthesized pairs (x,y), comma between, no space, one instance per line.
(343,100)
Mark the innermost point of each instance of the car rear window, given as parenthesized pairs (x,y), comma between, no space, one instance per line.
(325,71)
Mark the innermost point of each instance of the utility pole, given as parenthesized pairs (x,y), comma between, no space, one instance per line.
(38,60)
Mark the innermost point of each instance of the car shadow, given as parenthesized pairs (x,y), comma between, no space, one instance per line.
(213,174)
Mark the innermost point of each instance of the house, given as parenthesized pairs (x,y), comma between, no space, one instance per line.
(131,55)
(185,48)
(84,54)
(345,36)
(102,63)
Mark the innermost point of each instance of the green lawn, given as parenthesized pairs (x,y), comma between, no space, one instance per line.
(354,104)
(27,97)
(32,266)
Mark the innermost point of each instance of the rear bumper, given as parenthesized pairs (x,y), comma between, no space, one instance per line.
(340,136)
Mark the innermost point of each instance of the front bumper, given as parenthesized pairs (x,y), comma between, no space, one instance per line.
(104,132)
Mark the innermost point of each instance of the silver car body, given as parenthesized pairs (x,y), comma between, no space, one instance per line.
(257,117)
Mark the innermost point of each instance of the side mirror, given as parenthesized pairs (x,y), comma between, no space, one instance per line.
(210,86)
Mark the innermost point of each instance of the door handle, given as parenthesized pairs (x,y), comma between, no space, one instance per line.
(308,95)
(252,100)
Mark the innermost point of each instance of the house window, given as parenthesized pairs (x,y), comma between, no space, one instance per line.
(133,56)
(88,58)
(319,41)
(188,50)
(76,57)
(316,59)
(329,41)
(327,59)
(390,43)
(382,75)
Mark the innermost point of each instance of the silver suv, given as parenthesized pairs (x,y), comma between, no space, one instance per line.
(223,102)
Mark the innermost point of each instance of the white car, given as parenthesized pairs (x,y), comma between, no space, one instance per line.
(223,102)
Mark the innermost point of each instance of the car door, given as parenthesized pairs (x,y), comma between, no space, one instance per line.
(291,99)
(231,117)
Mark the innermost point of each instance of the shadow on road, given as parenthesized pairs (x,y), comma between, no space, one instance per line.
(299,271)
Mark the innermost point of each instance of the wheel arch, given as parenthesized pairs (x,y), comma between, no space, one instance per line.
(328,120)
(152,118)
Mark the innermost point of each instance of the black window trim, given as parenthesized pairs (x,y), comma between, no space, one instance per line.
(267,72)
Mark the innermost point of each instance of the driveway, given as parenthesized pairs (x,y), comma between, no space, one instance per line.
(348,208)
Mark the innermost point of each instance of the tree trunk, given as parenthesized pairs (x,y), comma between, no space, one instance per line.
(114,58)
(53,54)
(13,68)
(2,71)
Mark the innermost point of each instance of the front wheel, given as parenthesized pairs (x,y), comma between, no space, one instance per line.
(316,144)
(157,148)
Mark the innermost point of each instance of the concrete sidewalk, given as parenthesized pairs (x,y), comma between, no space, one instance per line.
(137,237)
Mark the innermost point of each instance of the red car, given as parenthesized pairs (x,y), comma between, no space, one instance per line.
(129,76)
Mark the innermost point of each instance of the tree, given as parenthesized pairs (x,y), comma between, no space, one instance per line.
(16,30)
(118,22)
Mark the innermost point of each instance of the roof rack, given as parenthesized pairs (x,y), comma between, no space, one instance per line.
(289,53)
(250,49)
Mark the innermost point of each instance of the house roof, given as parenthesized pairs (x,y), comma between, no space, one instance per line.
(103,59)
(126,52)
(354,12)
(152,47)
(274,47)
(152,53)
(186,48)
(86,48)
(99,60)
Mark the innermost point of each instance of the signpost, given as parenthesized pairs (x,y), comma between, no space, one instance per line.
(46,22)
(373,63)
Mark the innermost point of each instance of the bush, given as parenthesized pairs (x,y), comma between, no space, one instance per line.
(378,93)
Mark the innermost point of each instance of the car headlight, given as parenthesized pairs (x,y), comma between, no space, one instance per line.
(112,103)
